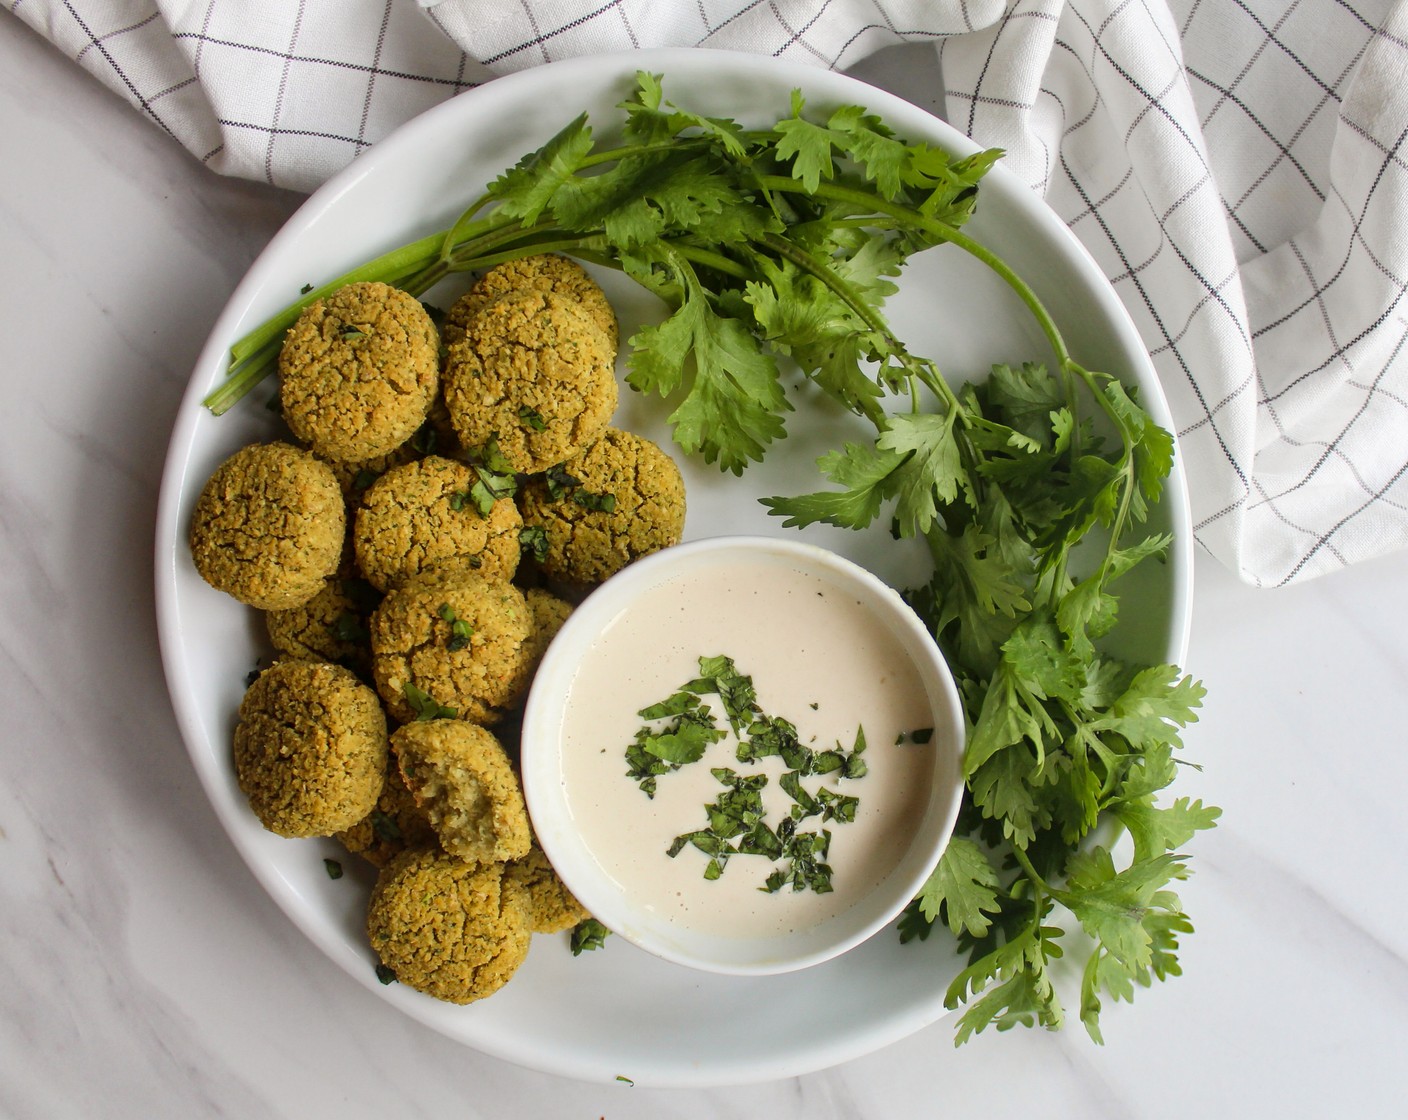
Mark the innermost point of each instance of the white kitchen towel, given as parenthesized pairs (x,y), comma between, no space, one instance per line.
(1237,167)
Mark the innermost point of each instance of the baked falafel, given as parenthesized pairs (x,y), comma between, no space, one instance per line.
(543,272)
(549,613)
(454,930)
(531,376)
(268,526)
(421,516)
(621,499)
(460,777)
(451,642)
(331,626)
(553,906)
(359,371)
(394,824)
(310,748)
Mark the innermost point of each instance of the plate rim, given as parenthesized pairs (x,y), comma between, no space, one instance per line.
(211,360)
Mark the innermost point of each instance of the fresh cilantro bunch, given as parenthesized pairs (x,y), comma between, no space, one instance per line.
(1031,489)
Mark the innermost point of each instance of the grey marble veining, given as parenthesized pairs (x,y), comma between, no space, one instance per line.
(145,973)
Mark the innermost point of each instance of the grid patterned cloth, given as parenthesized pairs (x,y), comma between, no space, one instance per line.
(1237,167)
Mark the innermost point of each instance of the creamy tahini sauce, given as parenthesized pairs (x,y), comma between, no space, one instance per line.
(818,659)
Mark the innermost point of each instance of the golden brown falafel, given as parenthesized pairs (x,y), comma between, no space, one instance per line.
(360,370)
(451,929)
(549,613)
(268,526)
(619,500)
(553,906)
(456,638)
(331,626)
(310,748)
(421,516)
(461,778)
(543,272)
(394,824)
(531,375)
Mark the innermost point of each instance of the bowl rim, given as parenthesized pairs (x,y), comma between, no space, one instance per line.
(548,802)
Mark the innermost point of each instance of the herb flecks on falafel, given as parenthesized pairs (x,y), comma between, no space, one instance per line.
(359,371)
(415,519)
(589,541)
(530,354)
(411,641)
(454,930)
(268,526)
(310,748)
(461,778)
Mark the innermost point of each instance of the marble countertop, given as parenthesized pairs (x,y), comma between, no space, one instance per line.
(146,974)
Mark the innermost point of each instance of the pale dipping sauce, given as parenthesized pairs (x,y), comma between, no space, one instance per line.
(817,658)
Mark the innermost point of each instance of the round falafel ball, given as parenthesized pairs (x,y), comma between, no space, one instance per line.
(421,516)
(310,748)
(331,626)
(268,526)
(549,613)
(395,823)
(532,376)
(621,499)
(360,370)
(454,930)
(543,272)
(454,640)
(357,478)
(554,908)
(461,778)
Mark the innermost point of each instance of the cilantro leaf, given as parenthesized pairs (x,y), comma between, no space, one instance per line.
(962,889)
(731,408)
(526,189)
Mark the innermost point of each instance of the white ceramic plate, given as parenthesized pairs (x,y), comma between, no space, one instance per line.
(619,1012)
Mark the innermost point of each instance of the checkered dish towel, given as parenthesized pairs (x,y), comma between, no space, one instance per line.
(1237,168)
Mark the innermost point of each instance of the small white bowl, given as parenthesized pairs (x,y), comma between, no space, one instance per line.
(793,617)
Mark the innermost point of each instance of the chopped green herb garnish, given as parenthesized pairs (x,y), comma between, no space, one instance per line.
(385,828)
(533,542)
(495,477)
(559,483)
(678,731)
(532,418)
(425,706)
(333,868)
(598,503)
(587,935)
(460,631)
(385,974)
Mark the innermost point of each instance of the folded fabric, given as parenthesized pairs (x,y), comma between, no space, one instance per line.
(1235,166)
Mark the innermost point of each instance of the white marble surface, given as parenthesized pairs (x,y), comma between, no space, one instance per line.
(143,972)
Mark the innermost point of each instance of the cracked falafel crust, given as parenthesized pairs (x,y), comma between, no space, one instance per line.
(543,272)
(268,526)
(554,908)
(359,371)
(331,626)
(310,748)
(394,824)
(420,517)
(587,543)
(463,781)
(533,375)
(454,930)
(461,639)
